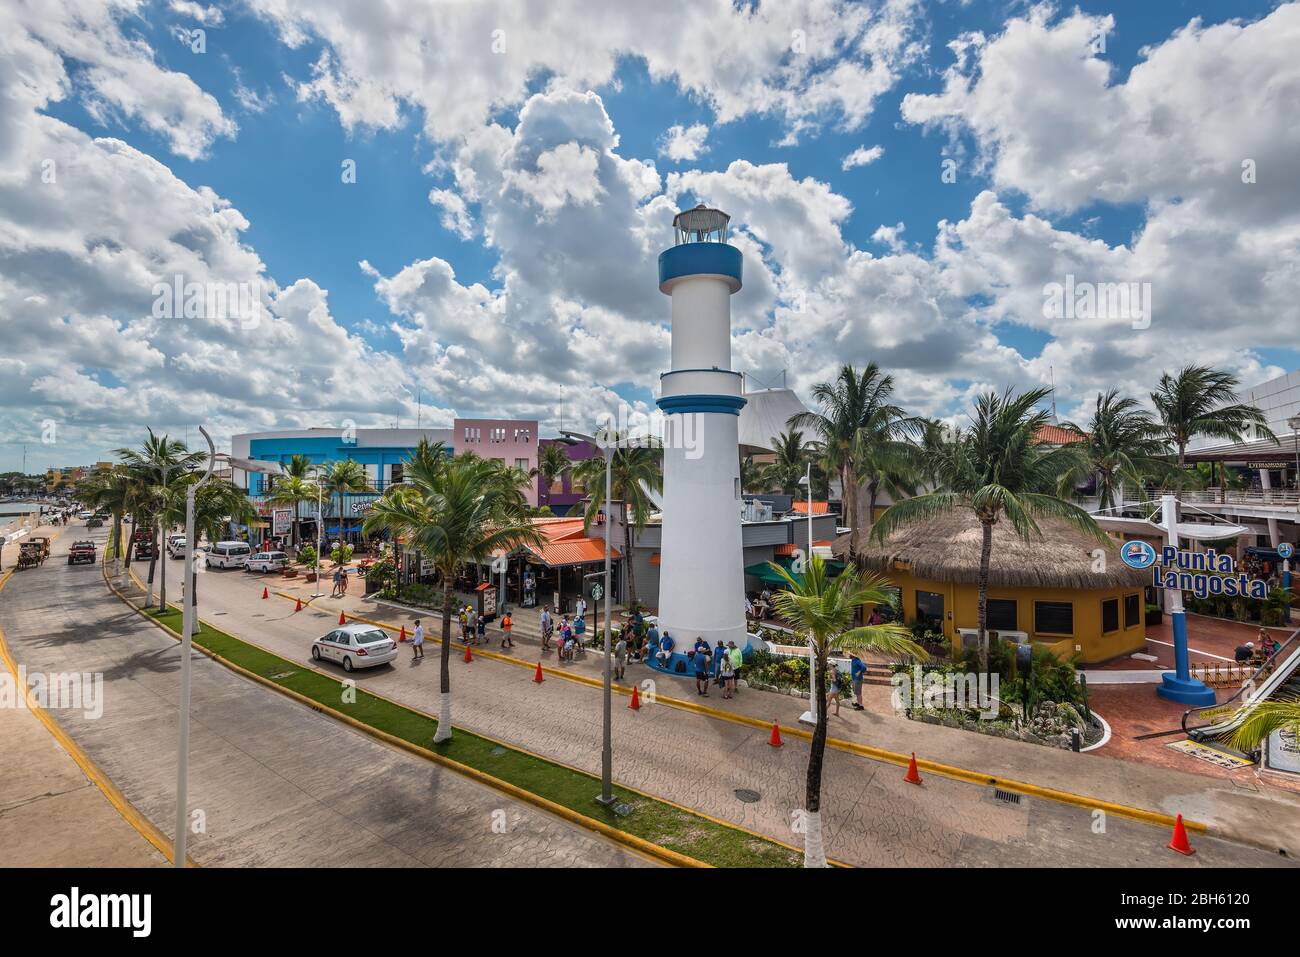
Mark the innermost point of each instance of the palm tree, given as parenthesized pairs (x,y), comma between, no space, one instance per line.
(552,464)
(1121,443)
(1200,401)
(860,436)
(215,504)
(291,491)
(787,468)
(1282,714)
(338,478)
(113,490)
(453,512)
(299,466)
(635,473)
(823,609)
(998,470)
(158,465)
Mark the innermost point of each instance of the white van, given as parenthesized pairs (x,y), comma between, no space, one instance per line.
(228,555)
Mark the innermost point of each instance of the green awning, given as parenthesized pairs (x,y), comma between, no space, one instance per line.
(768,575)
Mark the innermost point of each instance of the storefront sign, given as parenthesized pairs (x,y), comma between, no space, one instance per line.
(1201,573)
(281,521)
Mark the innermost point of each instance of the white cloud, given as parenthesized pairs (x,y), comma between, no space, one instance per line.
(455,214)
(862,157)
(684,143)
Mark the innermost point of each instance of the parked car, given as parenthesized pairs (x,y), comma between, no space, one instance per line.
(355,646)
(228,555)
(266,562)
(176,546)
(82,553)
(94,522)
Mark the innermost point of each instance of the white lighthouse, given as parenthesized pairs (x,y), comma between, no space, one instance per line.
(701,585)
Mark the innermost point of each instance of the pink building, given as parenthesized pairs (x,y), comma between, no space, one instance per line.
(513,441)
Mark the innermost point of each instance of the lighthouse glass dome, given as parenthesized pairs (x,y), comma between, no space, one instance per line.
(701,225)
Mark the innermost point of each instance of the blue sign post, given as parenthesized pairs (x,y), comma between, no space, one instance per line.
(1285,550)
(1180,686)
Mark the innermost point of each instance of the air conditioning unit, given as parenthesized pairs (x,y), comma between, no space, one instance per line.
(1019,637)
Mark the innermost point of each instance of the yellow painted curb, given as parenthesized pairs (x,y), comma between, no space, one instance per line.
(640,845)
(143,826)
(840,744)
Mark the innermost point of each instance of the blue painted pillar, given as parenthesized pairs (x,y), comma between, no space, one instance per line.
(1179,686)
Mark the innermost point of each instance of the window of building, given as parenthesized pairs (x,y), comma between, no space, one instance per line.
(1002,614)
(1054,618)
(929,609)
(521,464)
(1133,610)
(1109,615)
(396,476)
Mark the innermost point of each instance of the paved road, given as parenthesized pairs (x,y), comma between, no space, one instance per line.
(277,783)
(871,817)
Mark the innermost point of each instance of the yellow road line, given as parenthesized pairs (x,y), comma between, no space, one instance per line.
(840,744)
(146,828)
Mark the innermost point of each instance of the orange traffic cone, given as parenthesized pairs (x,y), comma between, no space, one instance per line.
(775,740)
(402,636)
(635,703)
(298,607)
(913,775)
(265,593)
(468,656)
(537,677)
(1179,843)
(342,619)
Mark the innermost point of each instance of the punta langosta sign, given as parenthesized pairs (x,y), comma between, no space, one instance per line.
(1201,573)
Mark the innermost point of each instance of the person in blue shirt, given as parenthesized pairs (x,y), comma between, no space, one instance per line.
(719,653)
(665,650)
(857,672)
(701,659)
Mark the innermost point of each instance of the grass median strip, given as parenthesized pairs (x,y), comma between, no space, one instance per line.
(650,820)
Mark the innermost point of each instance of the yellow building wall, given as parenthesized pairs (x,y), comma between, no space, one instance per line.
(961,610)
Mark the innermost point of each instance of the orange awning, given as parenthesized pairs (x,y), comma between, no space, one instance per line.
(819,508)
(573,551)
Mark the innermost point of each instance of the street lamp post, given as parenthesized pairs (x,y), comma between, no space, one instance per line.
(190,604)
(320,535)
(810,716)
(607,745)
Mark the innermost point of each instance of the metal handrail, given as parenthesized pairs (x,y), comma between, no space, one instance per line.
(1270,662)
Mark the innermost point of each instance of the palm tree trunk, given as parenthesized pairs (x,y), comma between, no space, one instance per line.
(153,563)
(117,543)
(849,491)
(986,554)
(814,850)
(444,672)
(627,560)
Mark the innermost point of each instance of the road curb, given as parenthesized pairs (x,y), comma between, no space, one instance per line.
(852,747)
(631,841)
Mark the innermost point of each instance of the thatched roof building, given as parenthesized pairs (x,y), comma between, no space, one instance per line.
(946,548)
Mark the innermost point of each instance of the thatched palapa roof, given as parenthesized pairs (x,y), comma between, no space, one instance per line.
(946,548)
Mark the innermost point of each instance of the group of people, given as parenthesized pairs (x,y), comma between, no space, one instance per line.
(720,665)
(1253,654)
(570,641)
(340,582)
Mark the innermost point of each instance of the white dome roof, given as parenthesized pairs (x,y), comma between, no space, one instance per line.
(764,417)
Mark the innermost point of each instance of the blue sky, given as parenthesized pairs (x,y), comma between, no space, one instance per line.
(281,171)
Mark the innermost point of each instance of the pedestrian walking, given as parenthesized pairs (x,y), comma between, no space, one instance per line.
(417,642)
(337,590)
(481,629)
(857,673)
(834,684)
(726,675)
(506,624)
(737,662)
(701,656)
(580,609)
(547,626)
(620,658)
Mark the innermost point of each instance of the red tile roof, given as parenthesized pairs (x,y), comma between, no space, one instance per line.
(573,551)
(1055,435)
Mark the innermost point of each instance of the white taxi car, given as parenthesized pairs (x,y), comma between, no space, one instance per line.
(266,562)
(355,646)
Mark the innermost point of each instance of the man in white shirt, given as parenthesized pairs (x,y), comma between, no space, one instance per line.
(417,641)
(581,608)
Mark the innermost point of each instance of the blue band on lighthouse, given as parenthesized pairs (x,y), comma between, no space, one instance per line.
(671,404)
(700,259)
